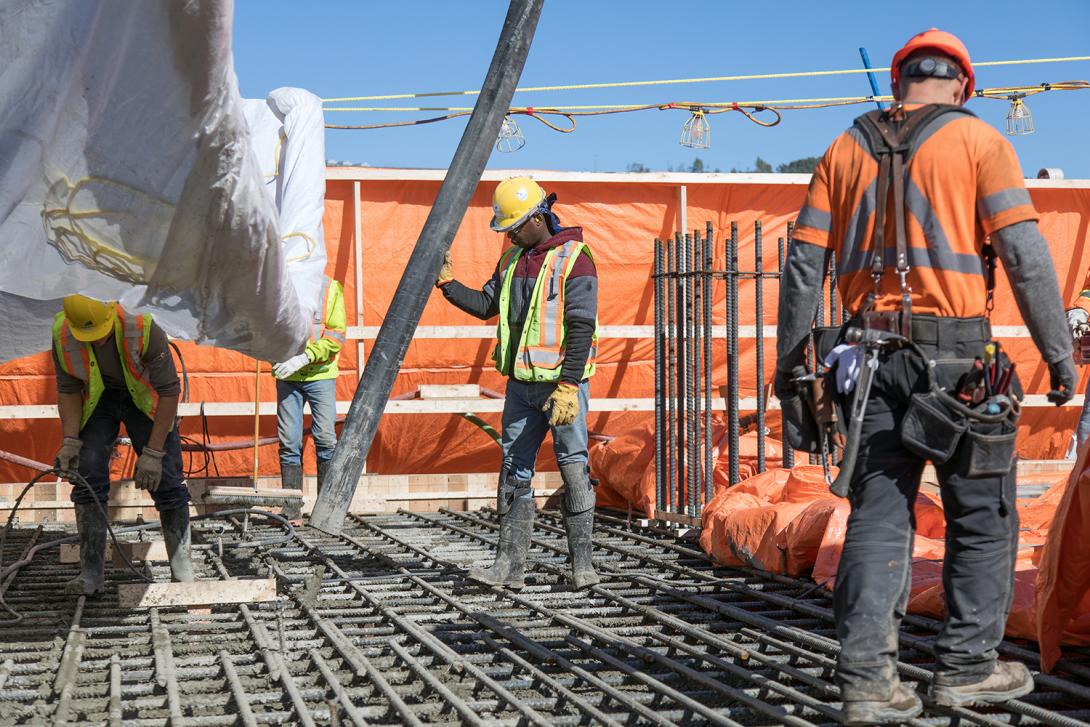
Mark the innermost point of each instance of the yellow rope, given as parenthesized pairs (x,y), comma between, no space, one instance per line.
(672,81)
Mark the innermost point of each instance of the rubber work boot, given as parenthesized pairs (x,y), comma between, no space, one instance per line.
(323,467)
(175,524)
(91,525)
(579,528)
(291,478)
(509,568)
(1008,680)
(903,705)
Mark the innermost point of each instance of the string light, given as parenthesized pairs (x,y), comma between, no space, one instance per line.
(696,133)
(1019,118)
(510,138)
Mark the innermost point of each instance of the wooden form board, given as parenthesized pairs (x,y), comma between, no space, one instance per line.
(153,550)
(198,593)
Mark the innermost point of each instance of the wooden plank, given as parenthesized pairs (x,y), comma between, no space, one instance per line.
(198,593)
(140,550)
(450,391)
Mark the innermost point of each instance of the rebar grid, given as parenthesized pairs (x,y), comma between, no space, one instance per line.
(380,626)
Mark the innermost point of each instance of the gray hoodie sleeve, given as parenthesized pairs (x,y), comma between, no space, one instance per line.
(800,290)
(1028,263)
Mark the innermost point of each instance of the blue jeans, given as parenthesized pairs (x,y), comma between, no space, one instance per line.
(525,425)
(290,396)
(98,436)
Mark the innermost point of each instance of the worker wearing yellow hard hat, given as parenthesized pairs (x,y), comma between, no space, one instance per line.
(115,368)
(544,291)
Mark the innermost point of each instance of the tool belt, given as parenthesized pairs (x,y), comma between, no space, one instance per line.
(938,421)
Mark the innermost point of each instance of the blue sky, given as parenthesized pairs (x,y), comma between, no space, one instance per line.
(347,48)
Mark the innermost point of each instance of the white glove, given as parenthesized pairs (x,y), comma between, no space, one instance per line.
(1078,320)
(284,369)
(848,359)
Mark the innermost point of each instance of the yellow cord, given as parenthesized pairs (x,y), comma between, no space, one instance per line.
(673,81)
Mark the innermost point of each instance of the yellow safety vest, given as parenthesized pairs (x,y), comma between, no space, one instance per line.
(328,325)
(540,353)
(131,334)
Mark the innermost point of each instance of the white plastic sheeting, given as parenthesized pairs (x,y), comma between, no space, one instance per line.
(287,134)
(126,173)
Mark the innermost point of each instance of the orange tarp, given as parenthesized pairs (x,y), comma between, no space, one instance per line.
(620,222)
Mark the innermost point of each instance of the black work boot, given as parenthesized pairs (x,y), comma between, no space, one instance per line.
(91,525)
(1008,680)
(515,502)
(903,705)
(578,508)
(175,524)
(291,478)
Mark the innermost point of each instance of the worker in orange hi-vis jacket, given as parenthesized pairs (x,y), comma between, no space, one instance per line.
(918,202)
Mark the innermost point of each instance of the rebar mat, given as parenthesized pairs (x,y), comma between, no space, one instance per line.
(381,626)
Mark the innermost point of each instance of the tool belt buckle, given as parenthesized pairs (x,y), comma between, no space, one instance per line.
(885,320)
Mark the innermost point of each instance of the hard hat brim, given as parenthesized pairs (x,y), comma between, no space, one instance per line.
(512,222)
(87,335)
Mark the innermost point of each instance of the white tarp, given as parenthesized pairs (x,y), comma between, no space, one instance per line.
(287,134)
(126,173)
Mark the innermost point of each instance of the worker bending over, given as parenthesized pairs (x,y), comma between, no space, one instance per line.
(311,376)
(906,199)
(115,368)
(545,292)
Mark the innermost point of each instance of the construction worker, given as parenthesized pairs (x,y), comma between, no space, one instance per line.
(545,292)
(1078,319)
(905,199)
(311,376)
(113,368)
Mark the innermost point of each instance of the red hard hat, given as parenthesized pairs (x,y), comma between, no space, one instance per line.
(938,40)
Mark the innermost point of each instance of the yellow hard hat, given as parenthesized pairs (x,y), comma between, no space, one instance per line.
(514,201)
(88,319)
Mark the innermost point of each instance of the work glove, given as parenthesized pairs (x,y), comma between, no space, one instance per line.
(1062,373)
(284,369)
(563,404)
(67,459)
(446,272)
(1078,320)
(149,469)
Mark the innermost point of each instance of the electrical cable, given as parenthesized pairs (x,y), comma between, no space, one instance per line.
(679,81)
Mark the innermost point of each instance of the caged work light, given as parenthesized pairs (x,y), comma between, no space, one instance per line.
(1019,118)
(510,138)
(696,133)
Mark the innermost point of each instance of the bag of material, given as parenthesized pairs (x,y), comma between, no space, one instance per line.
(126,174)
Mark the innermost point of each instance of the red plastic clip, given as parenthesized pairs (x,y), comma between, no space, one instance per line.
(530,110)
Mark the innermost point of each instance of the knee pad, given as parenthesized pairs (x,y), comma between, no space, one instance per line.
(509,489)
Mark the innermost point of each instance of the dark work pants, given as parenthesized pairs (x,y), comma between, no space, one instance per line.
(98,436)
(874,576)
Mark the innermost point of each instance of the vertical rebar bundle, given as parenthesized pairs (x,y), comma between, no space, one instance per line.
(709,288)
(660,373)
(758,315)
(682,381)
(671,382)
(788,451)
(733,433)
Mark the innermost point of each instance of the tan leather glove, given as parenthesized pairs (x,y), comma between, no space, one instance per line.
(149,469)
(446,273)
(563,404)
(67,459)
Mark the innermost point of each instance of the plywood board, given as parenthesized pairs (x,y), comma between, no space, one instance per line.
(198,593)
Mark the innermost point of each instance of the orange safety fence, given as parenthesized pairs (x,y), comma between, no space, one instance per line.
(620,221)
